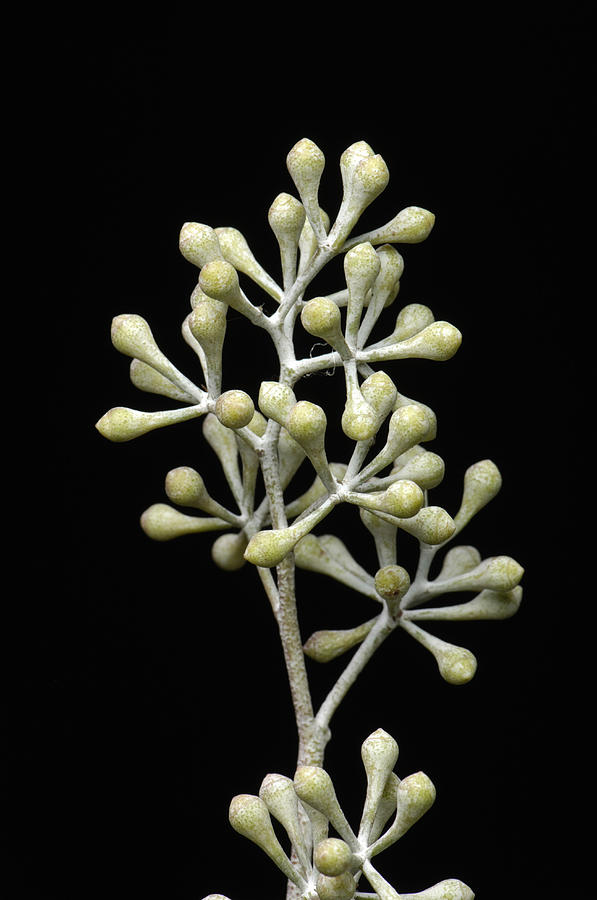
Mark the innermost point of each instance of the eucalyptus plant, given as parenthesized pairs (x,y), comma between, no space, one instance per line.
(388,478)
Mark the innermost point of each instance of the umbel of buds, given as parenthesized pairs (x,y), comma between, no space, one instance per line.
(261,439)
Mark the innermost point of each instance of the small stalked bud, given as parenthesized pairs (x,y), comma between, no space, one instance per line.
(148,379)
(236,251)
(186,487)
(379,753)
(431,525)
(486,605)
(199,244)
(380,393)
(215,897)
(408,426)
(482,481)
(278,794)
(228,551)
(459,560)
(163,523)
(438,341)
(392,583)
(249,816)
(207,323)
(496,573)
(286,217)
(219,280)
(450,889)
(338,887)
(411,319)
(361,268)
(422,466)
(276,400)
(403,499)
(371,177)
(234,409)
(359,420)
(124,424)
(305,163)
(313,785)
(324,646)
(321,318)
(268,548)
(306,423)
(332,856)
(414,796)
(457,665)
(364,177)
(410,226)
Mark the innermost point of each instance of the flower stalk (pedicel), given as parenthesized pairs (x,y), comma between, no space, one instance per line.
(388,476)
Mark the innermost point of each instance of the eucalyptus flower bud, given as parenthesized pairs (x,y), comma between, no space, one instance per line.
(332,856)
(361,268)
(268,548)
(216,897)
(124,424)
(487,604)
(321,318)
(148,379)
(199,244)
(185,487)
(415,796)
(384,291)
(222,441)
(359,420)
(457,561)
(364,177)
(431,525)
(403,499)
(276,400)
(421,466)
(496,573)
(306,423)
(305,163)
(338,887)
(236,251)
(379,753)
(408,425)
(457,665)
(278,794)
(219,280)
(286,217)
(313,785)
(482,481)
(380,393)
(411,319)
(450,889)
(249,816)
(386,806)
(207,323)
(228,551)
(234,409)
(438,341)
(163,523)
(410,226)
(392,583)
(324,646)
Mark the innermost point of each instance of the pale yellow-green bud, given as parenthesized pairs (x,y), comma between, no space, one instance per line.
(482,481)
(286,217)
(459,560)
(431,525)
(411,319)
(234,409)
(359,420)
(450,889)
(306,423)
(361,268)
(408,426)
(228,551)
(392,583)
(350,159)
(305,163)
(380,393)
(124,424)
(207,323)
(219,280)
(276,400)
(313,785)
(403,400)
(278,794)
(258,424)
(148,379)
(249,816)
(162,523)
(370,178)
(438,341)
(199,243)
(496,573)
(379,752)
(186,487)
(332,856)
(414,797)
(364,177)
(324,646)
(410,226)
(403,499)
(321,318)
(338,887)
(486,605)
(268,548)
(236,251)
(215,897)
(386,806)
(457,665)
(422,466)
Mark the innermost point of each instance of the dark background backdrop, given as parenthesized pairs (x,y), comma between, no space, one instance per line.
(152,684)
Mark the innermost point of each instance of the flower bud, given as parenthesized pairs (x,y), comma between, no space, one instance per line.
(185,487)
(324,646)
(236,251)
(162,523)
(219,280)
(415,795)
(306,423)
(386,806)
(364,177)
(486,605)
(216,897)
(350,159)
(207,323)
(392,583)
(228,551)
(148,379)
(410,226)
(457,665)
(370,178)
(305,163)
(321,318)
(313,785)
(403,499)
(286,217)
(359,421)
(482,481)
(380,393)
(249,816)
(411,319)
(199,244)
(457,561)
(408,426)
(234,409)
(332,856)
(379,753)
(496,573)
(124,424)
(421,466)
(438,341)
(361,267)
(276,400)
(431,525)
(268,548)
(278,794)
(450,889)
(338,887)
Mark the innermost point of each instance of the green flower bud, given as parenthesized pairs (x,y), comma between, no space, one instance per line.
(457,561)
(332,856)
(457,665)
(286,217)
(431,525)
(486,605)
(268,548)
(234,409)
(380,393)
(249,816)
(379,753)
(359,420)
(124,424)
(496,573)
(278,794)
(199,244)
(364,177)
(410,226)
(236,251)
(421,466)
(276,400)
(219,280)
(313,785)
(392,583)
(228,551)
(162,523)
(207,323)
(403,499)
(482,481)
(408,426)
(321,318)
(438,341)
(450,889)
(148,379)
(305,163)
(361,268)
(339,887)
(350,159)
(186,487)
(215,897)
(324,646)
(411,319)
(415,795)
(306,423)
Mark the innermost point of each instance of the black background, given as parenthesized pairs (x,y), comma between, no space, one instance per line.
(152,685)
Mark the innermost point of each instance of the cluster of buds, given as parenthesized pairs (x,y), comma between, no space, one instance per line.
(326,858)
